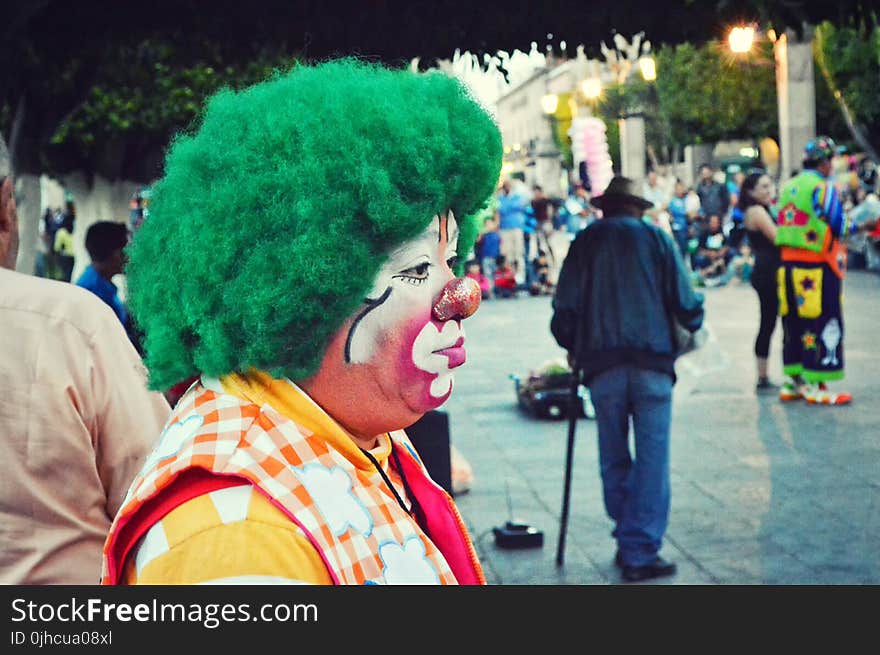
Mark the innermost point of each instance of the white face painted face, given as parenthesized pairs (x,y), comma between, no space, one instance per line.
(397,335)
(392,360)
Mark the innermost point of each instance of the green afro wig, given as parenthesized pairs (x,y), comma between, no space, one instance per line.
(273,218)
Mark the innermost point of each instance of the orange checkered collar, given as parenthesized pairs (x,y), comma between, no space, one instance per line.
(293,403)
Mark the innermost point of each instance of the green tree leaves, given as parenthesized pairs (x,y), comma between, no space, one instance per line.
(702,95)
(848,72)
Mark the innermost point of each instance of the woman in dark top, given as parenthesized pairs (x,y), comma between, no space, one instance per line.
(754,200)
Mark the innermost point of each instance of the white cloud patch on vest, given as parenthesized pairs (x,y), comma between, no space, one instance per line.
(333,496)
(407,564)
(172,439)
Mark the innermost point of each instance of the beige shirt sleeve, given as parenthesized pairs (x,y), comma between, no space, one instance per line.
(129,419)
(76,421)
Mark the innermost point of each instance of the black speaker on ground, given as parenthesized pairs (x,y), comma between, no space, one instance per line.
(430,436)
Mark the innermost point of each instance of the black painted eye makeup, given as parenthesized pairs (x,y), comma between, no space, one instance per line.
(415,274)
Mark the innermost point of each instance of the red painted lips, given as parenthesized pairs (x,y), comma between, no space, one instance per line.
(456,353)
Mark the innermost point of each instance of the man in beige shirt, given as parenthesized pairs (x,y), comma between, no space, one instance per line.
(76,421)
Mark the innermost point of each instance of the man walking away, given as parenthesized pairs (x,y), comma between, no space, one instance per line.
(622,288)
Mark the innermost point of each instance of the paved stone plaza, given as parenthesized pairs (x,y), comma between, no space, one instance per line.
(762,493)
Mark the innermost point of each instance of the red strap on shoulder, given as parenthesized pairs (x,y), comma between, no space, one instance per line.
(443,525)
(190,484)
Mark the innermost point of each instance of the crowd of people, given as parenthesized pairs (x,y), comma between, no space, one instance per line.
(519,250)
(525,233)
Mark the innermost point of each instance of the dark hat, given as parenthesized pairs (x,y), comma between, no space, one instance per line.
(620,189)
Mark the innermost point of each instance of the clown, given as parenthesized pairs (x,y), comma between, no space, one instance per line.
(299,261)
(811,225)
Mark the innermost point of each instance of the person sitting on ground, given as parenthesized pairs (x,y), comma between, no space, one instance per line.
(541,285)
(505,278)
(744,263)
(473,271)
(713,254)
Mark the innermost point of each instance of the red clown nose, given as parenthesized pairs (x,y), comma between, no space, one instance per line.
(459,299)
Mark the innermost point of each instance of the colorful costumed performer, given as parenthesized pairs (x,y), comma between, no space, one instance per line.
(298,259)
(811,223)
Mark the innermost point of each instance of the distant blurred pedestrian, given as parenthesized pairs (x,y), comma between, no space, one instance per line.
(511,221)
(679,218)
(76,422)
(736,229)
(46,233)
(490,247)
(105,242)
(656,194)
(622,288)
(136,211)
(714,198)
(543,209)
(63,245)
(576,210)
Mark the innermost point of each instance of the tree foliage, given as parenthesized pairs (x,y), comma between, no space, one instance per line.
(101,85)
(701,95)
(704,92)
(848,64)
(144,93)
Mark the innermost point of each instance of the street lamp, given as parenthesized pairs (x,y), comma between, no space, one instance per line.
(649,68)
(549,103)
(591,88)
(741,39)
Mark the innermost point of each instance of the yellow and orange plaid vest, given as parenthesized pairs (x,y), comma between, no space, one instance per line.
(215,440)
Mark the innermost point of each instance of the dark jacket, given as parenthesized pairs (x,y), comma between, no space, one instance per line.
(714,198)
(623,283)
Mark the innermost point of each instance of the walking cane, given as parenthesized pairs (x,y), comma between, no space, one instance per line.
(573,411)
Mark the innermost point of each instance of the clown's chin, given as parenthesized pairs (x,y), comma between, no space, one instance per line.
(437,393)
(441,387)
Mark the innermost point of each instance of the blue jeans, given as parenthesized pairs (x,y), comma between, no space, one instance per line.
(636,489)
